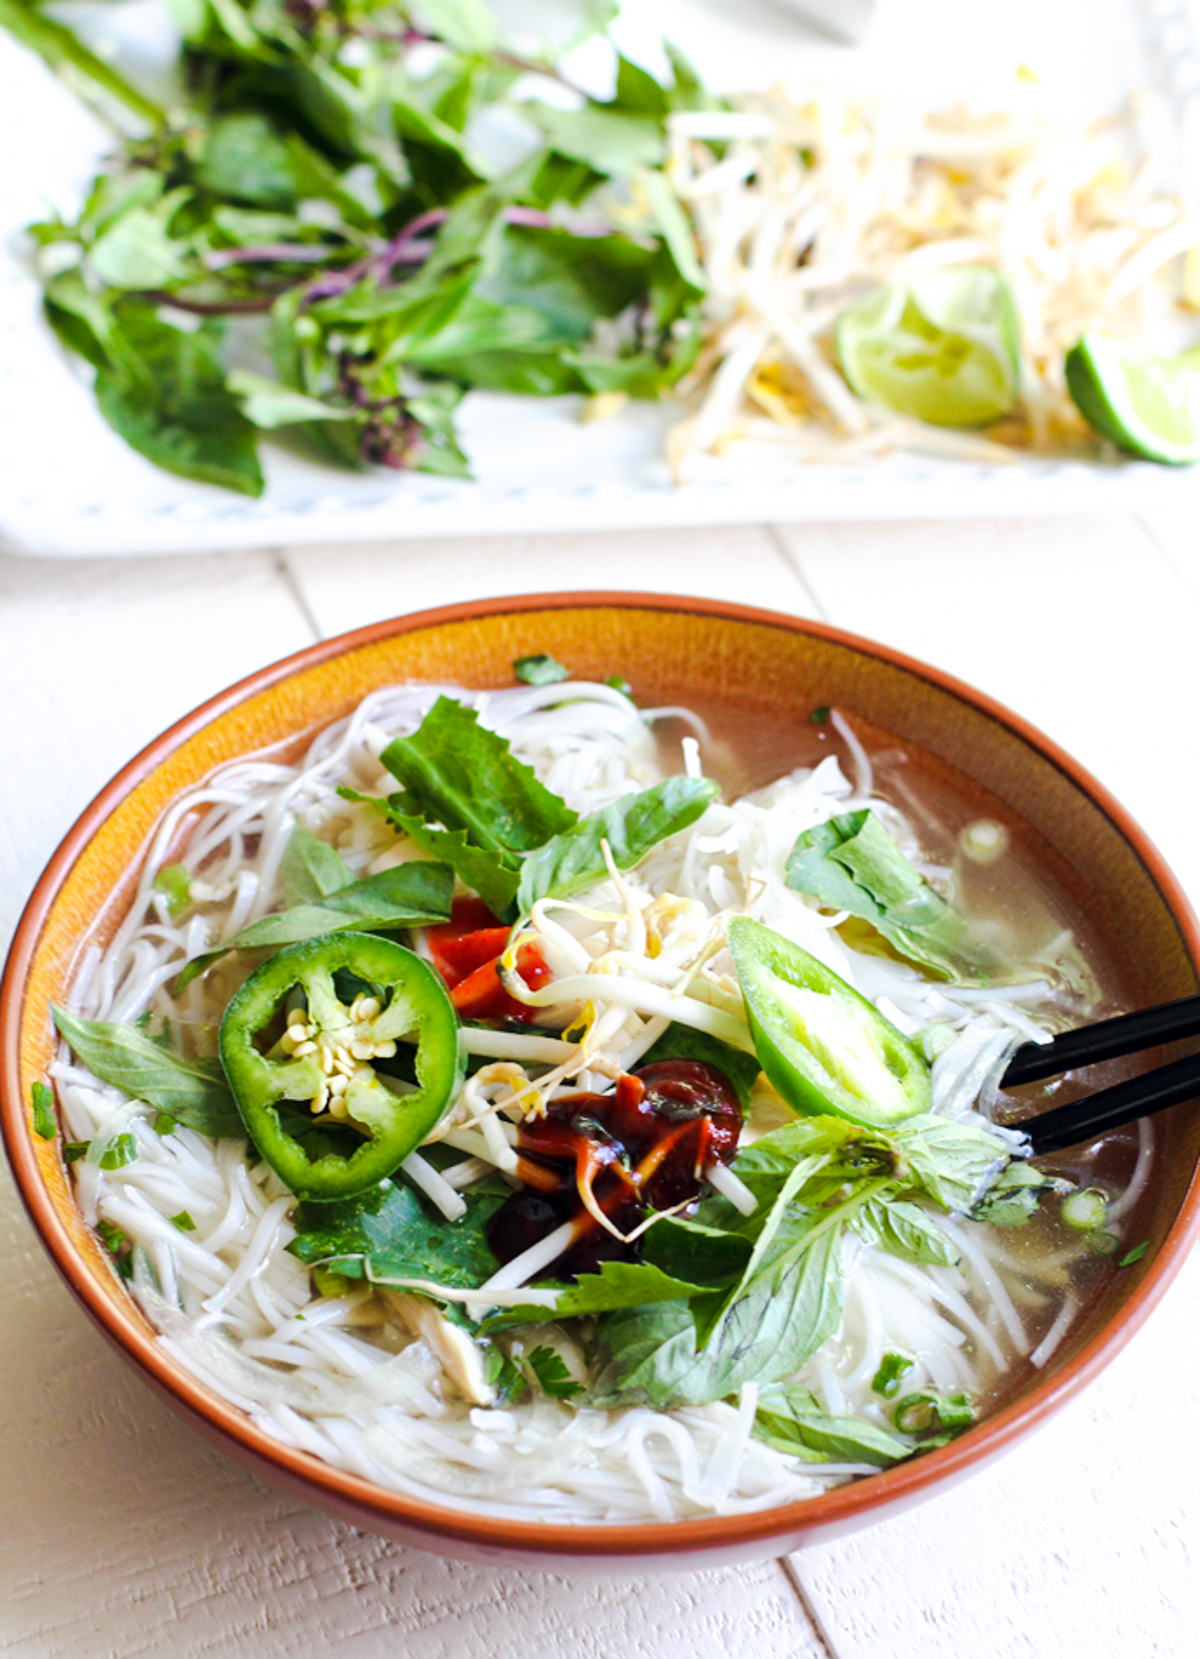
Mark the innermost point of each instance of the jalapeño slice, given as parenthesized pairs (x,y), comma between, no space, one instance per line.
(312,1050)
(824,1047)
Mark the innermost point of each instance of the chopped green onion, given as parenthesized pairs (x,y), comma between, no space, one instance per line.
(111,1236)
(819,716)
(122,1151)
(175,884)
(184,1222)
(887,1378)
(1085,1210)
(540,670)
(45,1123)
(619,683)
(1134,1255)
(927,1412)
(164,1123)
(1103,1244)
(74,1150)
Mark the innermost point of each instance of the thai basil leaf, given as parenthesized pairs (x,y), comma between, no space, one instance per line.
(245,156)
(650,1356)
(951,1162)
(467,25)
(268,405)
(790,1419)
(851,863)
(464,777)
(311,869)
(699,1252)
(631,826)
(417,894)
(683,1042)
(194,1092)
(137,250)
(604,138)
(904,1230)
(165,394)
(393,1232)
(1014,1195)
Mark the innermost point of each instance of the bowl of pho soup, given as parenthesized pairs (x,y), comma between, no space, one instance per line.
(527,1076)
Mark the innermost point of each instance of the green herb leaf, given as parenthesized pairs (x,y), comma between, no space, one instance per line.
(614,1285)
(631,826)
(601,136)
(464,777)
(74,1150)
(819,716)
(45,1123)
(184,1222)
(409,895)
(551,1372)
(1013,1196)
(166,396)
(102,85)
(892,1368)
(495,876)
(311,870)
(1134,1255)
(540,670)
(851,863)
(175,884)
(192,1091)
(505,1376)
(393,1232)
(790,1419)
(903,1229)
(651,1356)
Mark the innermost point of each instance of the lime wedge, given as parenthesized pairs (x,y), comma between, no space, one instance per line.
(940,346)
(1149,406)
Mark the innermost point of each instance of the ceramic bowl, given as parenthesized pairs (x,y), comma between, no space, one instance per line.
(755,662)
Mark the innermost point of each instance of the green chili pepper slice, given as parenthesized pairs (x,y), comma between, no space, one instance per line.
(276,1047)
(824,1047)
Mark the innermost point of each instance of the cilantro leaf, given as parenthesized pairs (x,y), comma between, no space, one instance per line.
(551,1372)
(393,1232)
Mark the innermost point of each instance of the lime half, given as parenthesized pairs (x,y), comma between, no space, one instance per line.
(1149,406)
(940,346)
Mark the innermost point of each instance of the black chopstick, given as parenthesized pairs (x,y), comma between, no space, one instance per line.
(1082,1120)
(1105,1040)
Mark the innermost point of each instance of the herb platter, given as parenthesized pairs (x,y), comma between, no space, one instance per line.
(74,489)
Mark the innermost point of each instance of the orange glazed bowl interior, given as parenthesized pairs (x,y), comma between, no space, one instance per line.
(672,650)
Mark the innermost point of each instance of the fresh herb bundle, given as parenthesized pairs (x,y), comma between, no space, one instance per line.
(322,197)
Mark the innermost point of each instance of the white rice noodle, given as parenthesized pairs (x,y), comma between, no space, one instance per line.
(343,1377)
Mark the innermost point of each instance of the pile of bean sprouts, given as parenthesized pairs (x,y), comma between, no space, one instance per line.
(376,1382)
(802,204)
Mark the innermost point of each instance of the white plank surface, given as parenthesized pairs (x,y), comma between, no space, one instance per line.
(120,1534)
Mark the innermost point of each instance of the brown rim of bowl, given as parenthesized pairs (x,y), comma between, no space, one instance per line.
(841,1508)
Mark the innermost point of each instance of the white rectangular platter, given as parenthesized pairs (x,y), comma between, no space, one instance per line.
(70,488)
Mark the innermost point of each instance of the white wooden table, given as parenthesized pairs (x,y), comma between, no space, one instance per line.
(121,1535)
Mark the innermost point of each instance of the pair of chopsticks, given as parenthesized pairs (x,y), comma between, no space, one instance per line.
(1169,1085)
